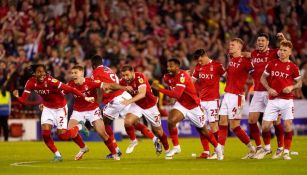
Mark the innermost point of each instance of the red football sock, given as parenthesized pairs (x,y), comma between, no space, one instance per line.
(216,135)
(48,140)
(279,132)
(65,135)
(241,134)
(130,132)
(173,132)
(111,146)
(109,131)
(212,139)
(223,133)
(204,142)
(74,131)
(144,130)
(255,133)
(78,140)
(164,141)
(266,137)
(288,140)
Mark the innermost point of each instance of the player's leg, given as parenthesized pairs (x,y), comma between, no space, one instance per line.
(198,118)
(47,122)
(176,115)
(153,116)
(280,134)
(287,114)
(257,106)
(130,121)
(254,129)
(270,115)
(242,135)
(223,120)
(204,141)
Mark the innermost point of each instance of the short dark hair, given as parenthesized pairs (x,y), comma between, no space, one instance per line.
(265,35)
(78,67)
(174,60)
(96,60)
(199,53)
(35,66)
(126,67)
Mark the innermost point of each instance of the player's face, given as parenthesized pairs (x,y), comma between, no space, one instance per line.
(234,47)
(284,52)
(75,74)
(127,75)
(172,68)
(203,60)
(262,43)
(40,74)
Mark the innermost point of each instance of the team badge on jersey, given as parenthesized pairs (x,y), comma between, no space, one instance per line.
(141,80)
(54,80)
(97,81)
(182,79)
(288,67)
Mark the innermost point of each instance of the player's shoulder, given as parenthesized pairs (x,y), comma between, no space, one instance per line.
(254,53)
(139,75)
(71,83)
(216,63)
(51,79)
(31,81)
(197,67)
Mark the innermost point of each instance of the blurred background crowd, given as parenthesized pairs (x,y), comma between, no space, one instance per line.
(143,33)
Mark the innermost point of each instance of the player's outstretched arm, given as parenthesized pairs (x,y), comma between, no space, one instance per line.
(23,97)
(175,93)
(141,94)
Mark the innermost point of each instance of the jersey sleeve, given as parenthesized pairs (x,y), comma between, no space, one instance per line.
(221,70)
(26,92)
(54,83)
(249,66)
(295,73)
(267,69)
(195,73)
(141,81)
(182,81)
(96,84)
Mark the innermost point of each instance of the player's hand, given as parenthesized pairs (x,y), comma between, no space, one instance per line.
(280,36)
(272,92)
(16,93)
(125,102)
(287,89)
(90,99)
(41,107)
(129,88)
(155,85)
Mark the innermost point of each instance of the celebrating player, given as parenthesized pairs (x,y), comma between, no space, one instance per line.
(232,105)
(280,78)
(112,99)
(187,106)
(260,58)
(142,103)
(83,110)
(54,107)
(207,74)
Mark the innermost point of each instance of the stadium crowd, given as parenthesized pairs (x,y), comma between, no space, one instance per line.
(142,33)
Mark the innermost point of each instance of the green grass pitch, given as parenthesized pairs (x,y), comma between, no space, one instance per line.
(144,160)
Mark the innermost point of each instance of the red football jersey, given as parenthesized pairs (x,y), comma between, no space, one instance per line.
(189,98)
(139,81)
(260,60)
(281,74)
(237,74)
(88,89)
(105,74)
(49,90)
(208,77)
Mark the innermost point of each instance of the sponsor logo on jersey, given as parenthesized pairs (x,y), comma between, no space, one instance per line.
(141,80)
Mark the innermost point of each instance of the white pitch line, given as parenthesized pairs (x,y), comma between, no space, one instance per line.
(30,164)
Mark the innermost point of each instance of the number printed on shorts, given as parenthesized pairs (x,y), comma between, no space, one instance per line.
(214,112)
(202,119)
(61,121)
(157,119)
(97,113)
